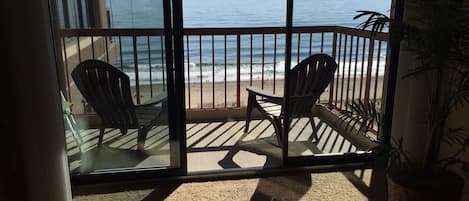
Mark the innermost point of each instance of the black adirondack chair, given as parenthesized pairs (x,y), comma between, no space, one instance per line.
(107,90)
(308,80)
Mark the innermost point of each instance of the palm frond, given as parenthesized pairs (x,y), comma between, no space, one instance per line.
(375,22)
(460,95)
(458,136)
(362,116)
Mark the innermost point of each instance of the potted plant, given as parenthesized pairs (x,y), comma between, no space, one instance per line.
(435,38)
(405,179)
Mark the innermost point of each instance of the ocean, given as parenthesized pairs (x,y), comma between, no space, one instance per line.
(232,13)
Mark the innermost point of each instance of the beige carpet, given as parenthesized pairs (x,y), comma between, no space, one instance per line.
(318,186)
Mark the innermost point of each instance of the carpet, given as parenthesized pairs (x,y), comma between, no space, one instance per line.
(334,186)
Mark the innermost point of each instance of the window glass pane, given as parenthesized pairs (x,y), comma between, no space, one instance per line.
(117,105)
(358,77)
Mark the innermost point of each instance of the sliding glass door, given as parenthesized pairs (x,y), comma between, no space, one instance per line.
(331,135)
(127,121)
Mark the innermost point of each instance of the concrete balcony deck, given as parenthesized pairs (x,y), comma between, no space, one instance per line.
(211,146)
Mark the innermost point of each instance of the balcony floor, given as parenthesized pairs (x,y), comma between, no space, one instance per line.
(211,146)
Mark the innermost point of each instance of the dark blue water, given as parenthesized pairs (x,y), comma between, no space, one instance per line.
(242,13)
(233,13)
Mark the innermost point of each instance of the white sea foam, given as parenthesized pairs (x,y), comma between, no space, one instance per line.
(220,73)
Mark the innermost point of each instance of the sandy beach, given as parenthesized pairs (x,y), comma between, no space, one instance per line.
(217,91)
(201,96)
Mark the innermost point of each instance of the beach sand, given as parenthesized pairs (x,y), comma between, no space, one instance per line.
(203,99)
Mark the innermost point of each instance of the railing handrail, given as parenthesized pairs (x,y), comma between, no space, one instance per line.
(109,32)
(219,31)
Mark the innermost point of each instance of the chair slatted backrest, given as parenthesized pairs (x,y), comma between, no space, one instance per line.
(107,89)
(308,80)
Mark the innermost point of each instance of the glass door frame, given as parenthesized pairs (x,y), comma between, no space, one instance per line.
(173,34)
(179,84)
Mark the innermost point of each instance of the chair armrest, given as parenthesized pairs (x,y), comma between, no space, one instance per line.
(162,97)
(263,93)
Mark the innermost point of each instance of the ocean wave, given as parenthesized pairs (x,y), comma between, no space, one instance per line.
(221,73)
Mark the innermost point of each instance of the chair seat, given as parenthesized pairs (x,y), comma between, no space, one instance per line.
(146,115)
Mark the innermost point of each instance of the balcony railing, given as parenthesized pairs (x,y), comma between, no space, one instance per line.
(221,62)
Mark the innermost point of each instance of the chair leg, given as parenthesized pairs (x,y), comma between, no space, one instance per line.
(123,131)
(101,135)
(142,136)
(315,129)
(251,102)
